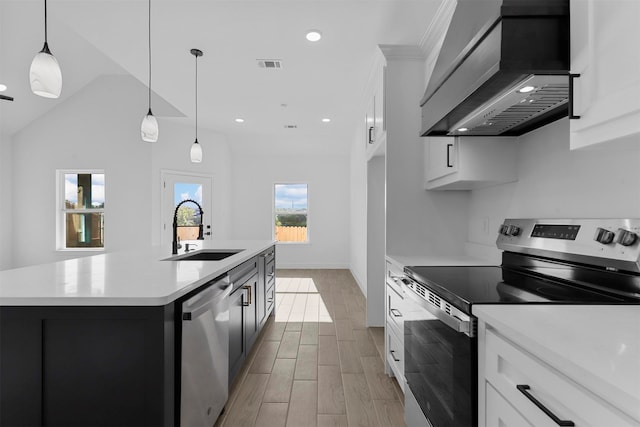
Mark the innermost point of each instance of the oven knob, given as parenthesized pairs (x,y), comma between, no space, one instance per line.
(603,236)
(513,230)
(626,237)
(503,229)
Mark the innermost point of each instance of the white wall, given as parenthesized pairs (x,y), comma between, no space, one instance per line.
(554,182)
(253,178)
(6,194)
(171,152)
(99,128)
(358,211)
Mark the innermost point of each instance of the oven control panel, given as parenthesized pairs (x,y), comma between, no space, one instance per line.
(611,243)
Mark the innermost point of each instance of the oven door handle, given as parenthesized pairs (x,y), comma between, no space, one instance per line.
(464,326)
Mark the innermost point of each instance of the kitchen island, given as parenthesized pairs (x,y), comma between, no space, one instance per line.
(95,340)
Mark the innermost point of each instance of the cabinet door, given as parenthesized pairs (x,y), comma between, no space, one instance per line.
(261,300)
(251,320)
(604,51)
(442,157)
(500,413)
(378,105)
(236,332)
(370,123)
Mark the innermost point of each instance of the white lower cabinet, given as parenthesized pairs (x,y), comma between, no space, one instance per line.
(394,324)
(520,389)
(500,413)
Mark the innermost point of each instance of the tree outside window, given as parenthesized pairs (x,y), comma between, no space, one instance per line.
(81,225)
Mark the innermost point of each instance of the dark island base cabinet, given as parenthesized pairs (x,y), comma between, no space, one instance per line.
(81,366)
(251,302)
(244,327)
(115,366)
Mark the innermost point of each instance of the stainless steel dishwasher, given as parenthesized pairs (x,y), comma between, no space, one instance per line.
(205,355)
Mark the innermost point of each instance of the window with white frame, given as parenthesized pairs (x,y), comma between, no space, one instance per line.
(81,210)
(291,213)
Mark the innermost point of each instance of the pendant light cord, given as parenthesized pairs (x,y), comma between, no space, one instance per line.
(196,98)
(45,21)
(149,55)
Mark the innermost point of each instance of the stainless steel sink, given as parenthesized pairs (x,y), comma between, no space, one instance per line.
(206,255)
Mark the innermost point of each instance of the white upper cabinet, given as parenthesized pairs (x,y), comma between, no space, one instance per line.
(467,163)
(605,53)
(375,127)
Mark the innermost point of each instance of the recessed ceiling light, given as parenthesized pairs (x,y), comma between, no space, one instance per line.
(239,120)
(314,35)
(526,89)
(325,120)
(463,129)
(3,87)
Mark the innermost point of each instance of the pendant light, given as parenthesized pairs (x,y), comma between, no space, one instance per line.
(196,149)
(149,128)
(45,75)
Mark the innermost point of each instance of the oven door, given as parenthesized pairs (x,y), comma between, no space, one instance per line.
(441,357)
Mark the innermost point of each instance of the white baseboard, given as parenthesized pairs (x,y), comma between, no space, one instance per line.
(308,266)
(360,283)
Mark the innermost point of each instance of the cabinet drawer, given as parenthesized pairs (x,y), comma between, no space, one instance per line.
(269,255)
(508,366)
(270,272)
(395,355)
(395,310)
(270,299)
(393,274)
(243,272)
(500,412)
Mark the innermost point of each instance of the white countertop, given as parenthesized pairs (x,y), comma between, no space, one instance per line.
(434,260)
(131,278)
(597,346)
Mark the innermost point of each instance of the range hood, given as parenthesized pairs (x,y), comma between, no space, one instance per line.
(503,69)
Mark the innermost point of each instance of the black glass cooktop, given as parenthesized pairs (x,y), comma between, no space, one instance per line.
(468,285)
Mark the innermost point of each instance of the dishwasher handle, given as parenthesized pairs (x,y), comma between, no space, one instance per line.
(199,303)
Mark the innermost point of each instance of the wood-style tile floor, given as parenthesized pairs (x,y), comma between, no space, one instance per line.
(315,362)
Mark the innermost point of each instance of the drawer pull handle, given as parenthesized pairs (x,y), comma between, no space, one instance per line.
(394,311)
(393,355)
(248,302)
(524,389)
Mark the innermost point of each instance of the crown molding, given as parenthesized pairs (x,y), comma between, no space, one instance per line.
(402,52)
(432,37)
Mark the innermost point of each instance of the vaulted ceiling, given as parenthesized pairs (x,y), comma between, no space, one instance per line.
(317,80)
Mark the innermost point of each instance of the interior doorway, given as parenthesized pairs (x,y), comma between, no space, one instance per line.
(178,186)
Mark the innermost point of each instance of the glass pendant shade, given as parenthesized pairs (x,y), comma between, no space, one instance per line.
(45,74)
(196,152)
(149,129)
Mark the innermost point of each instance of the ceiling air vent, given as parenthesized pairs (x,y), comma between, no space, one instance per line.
(270,63)
(291,126)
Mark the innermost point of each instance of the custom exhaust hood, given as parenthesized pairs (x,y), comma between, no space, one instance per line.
(503,69)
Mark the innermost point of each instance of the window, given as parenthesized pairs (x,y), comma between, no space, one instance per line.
(81,211)
(291,213)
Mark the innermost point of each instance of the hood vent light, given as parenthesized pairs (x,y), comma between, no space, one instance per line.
(270,63)
(514,108)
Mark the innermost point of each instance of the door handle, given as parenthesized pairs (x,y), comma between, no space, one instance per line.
(248,302)
(572,77)
(524,389)
(371,134)
(393,355)
(449,146)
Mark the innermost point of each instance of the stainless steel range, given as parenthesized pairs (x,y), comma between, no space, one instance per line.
(552,261)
